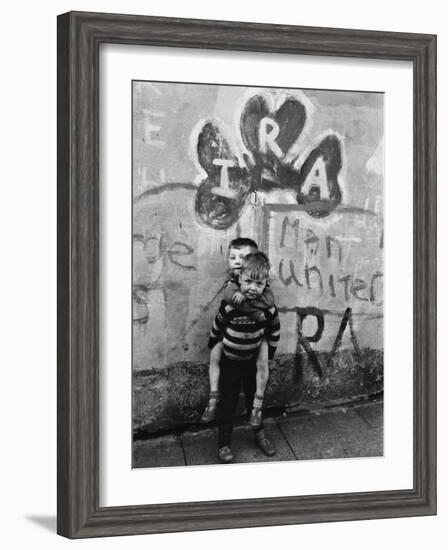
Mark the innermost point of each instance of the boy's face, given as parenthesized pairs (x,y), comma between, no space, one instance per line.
(250,287)
(236,256)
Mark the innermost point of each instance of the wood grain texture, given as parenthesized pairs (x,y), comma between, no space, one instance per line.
(79,37)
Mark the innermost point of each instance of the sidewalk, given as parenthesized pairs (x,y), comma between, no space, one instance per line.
(339,432)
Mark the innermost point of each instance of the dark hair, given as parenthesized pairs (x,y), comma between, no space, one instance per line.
(239,242)
(257,265)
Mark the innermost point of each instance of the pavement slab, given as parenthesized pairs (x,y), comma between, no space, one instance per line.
(341,432)
(372,414)
(245,450)
(200,447)
(158,452)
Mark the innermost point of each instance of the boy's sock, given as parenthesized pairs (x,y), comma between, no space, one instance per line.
(257,404)
(213,399)
(255,418)
(210,411)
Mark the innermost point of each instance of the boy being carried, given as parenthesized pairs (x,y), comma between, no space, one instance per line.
(242,335)
(238,249)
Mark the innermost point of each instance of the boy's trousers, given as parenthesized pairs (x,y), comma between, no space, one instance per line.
(233,376)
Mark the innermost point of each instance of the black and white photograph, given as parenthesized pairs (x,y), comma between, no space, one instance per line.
(257,284)
(224,276)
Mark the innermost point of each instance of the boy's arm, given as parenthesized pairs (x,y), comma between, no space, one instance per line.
(272,332)
(218,326)
(229,291)
(266,300)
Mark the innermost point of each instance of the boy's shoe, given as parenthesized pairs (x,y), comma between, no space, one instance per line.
(264,444)
(208,415)
(225,455)
(256,419)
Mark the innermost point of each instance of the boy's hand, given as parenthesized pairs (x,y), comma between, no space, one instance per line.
(238,298)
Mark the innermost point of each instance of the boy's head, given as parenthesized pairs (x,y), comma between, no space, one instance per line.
(238,249)
(254,275)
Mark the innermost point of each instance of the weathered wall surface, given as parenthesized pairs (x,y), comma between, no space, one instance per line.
(301,173)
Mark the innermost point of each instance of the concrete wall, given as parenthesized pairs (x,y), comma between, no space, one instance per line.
(327,262)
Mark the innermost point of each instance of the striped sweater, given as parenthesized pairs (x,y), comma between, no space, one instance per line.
(242,335)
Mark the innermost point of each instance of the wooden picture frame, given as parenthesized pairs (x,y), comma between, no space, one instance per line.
(79,38)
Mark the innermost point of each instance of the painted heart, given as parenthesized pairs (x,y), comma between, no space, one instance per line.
(290,118)
(269,136)
(320,202)
(222,195)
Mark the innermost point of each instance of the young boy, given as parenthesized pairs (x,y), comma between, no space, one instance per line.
(242,335)
(238,249)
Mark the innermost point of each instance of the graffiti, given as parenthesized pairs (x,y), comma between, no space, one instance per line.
(258,164)
(346,280)
(151,131)
(304,342)
(308,273)
(268,135)
(292,277)
(302,313)
(374,288)
(348,286)
(140,304)
(347,318)
(271,161)
(157,250)
(329,151)
(295,226)
(314,259)
(222,195)
(156,294)
(329,241)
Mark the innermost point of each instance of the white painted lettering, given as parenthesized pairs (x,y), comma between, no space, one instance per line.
(224,189)
(267,134)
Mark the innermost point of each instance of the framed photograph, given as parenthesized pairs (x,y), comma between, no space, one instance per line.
(246,274)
